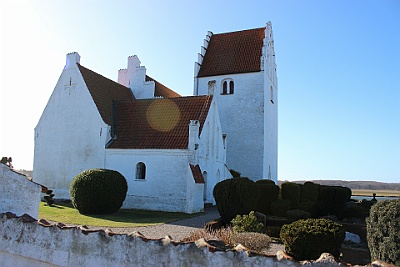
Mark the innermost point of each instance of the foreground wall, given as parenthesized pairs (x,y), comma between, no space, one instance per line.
(17,193)
(24,241)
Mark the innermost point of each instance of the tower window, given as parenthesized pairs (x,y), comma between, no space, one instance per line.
(228,87)
(140,171)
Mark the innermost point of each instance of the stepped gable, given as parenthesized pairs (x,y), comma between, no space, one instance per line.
(104,91)
(161,90)
(233,52)
(160,123)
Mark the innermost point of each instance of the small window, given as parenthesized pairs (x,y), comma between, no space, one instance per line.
(228,87)
(140,171)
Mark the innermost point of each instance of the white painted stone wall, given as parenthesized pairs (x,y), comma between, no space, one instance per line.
(18,194)
(70,136)
(134,77)
(30,244)
(248,117)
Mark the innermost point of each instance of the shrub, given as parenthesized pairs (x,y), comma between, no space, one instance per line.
(309,192)
(280,206)
(235,174)
(235,196)
(291,192)
(334,199)
(367,204)
(273,231)
(223,234)
(247,223)
(310,207)
(308,239)
(383,231)
(98,191)
(295,215)
(254,242)
(353,212)
(268,192)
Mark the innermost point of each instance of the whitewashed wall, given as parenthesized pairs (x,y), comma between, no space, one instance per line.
(23,244)
(242,119)
(70,135)
(17,194)
(167,177)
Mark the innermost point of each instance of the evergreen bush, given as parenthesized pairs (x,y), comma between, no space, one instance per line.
(309,192)
(247,223)
(291,192)
(383,231)
(295,215)
(268,192)
(308,239)
(98,191)
(280,206)
(235,196)
(310,207)
(334,199)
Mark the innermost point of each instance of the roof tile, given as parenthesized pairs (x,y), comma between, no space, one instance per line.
(162,90)
(157,123)
(233,52)
(104,91)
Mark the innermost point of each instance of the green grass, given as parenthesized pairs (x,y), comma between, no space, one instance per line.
(65,213)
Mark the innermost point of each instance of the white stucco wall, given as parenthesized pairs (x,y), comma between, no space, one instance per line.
(29,244)
(17,194)
(70,136)
(166,182)
(242,119)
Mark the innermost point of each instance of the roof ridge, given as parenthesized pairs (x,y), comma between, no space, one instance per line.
(259,28)
(101,75)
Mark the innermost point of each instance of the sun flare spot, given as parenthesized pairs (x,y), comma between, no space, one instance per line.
(163,115)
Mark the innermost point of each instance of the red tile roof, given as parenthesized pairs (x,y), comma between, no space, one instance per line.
(157,123)
(104,91)
(162,90)
(233,52)
(197,175)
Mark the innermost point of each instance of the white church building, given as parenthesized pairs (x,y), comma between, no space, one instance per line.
(171,149)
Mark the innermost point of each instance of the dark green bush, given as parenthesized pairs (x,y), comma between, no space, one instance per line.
(310,207)
(291,192)
(273,231)
(280,206)
(383,231)
(308,239)
(235,174)
(247,223)
(309,192)
(353,212)
(295,215)
(334,199)
(268,192)
(235,196)
(98,191)
(367,204)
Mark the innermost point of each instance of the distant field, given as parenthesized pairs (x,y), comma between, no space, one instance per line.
(379,193)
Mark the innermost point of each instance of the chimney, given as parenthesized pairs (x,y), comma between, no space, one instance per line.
(72,59)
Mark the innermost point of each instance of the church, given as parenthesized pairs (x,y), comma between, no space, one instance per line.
(171,149)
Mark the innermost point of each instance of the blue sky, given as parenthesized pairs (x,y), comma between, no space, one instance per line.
(338,70)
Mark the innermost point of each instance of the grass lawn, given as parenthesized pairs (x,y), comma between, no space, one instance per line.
(379,193)
(65,213)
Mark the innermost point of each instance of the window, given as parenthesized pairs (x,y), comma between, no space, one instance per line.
(227,87)
(140,171)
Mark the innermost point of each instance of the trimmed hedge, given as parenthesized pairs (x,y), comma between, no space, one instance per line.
(383,231)
(291,192)
(268,192)
(280,206)
(309,192)
(235,196)
(308,239)
(334,199)
(98,191)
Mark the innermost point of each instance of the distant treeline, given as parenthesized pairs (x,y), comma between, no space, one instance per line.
(354,184)
(27,173)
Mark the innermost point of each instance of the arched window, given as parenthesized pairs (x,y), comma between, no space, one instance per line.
(227,87)
(140,171)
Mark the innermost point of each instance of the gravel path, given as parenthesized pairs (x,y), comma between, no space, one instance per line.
(177,230)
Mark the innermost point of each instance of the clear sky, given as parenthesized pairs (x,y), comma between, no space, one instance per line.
(338,70)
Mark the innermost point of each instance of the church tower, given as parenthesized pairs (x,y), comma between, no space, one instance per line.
(239,70)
